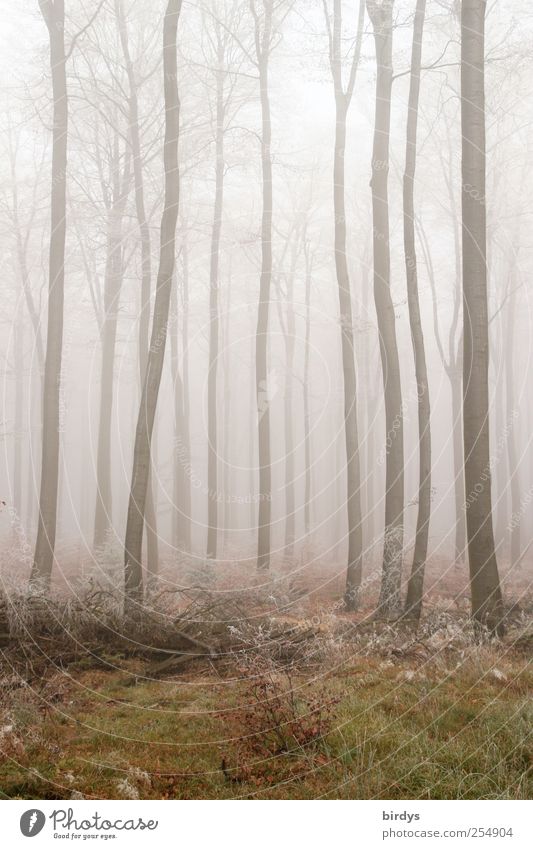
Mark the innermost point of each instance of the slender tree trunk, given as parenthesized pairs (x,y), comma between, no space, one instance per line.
(154,369)
(415,588)
(179,522)
(261,349)
(226,427)
(288,412)
(212,451)
(455,378)
(150,516)
(146,264)
(454,370)
(500,472)
(484,578)
(185,502)
(353,473)
(34,446)
(307,416)
(19,407)
(252,431)
(103,518)
(54,17)
(370,381)
(512,420)
(390,595)
(21,252)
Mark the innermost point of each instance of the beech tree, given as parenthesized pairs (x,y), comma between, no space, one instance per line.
(115,202)
(484,577)
(415,587)
(156,353)
(53,13)
(263,27)
(343,96)
(134,87)
(380,13)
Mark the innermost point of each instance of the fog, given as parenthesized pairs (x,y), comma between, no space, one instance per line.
(304,393)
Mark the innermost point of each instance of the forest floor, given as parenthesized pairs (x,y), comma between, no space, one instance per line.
(373,712)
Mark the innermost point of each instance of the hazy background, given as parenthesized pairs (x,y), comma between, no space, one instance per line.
(301,96)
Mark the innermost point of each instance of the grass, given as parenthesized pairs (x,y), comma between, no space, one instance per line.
(456,728)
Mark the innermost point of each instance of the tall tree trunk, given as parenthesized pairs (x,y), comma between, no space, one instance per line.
(453,368)
(54,17)
(212,451)
(390,595)
(500,472)
(484,578)
(226,426)
(185,495)
(19,406)
(353,473)
(180,457)
(261,348)
(288,413)
(252,431)
(146,264)
(415,588)
(150,516)
(512,452)
(455,378)
(103,518)
(181,512)
(307,415)
(156,353)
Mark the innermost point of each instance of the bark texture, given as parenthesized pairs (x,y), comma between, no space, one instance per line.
(146,259)
(484,578)
(343,96)
(103,517)
(415,587)
(390,594)
(156,353)
(54,17)
(212,424)
(263,33)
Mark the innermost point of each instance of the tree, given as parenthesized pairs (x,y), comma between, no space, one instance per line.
(146,256)
(115,202)
(181,492)
(53,12)
(510,403)
(212,456)
(343,96)
(294,241)
(309,259)
(415,588)
(484,578)
(156,353)
(380,13)
(263,35)
(223,95)
(21,227)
